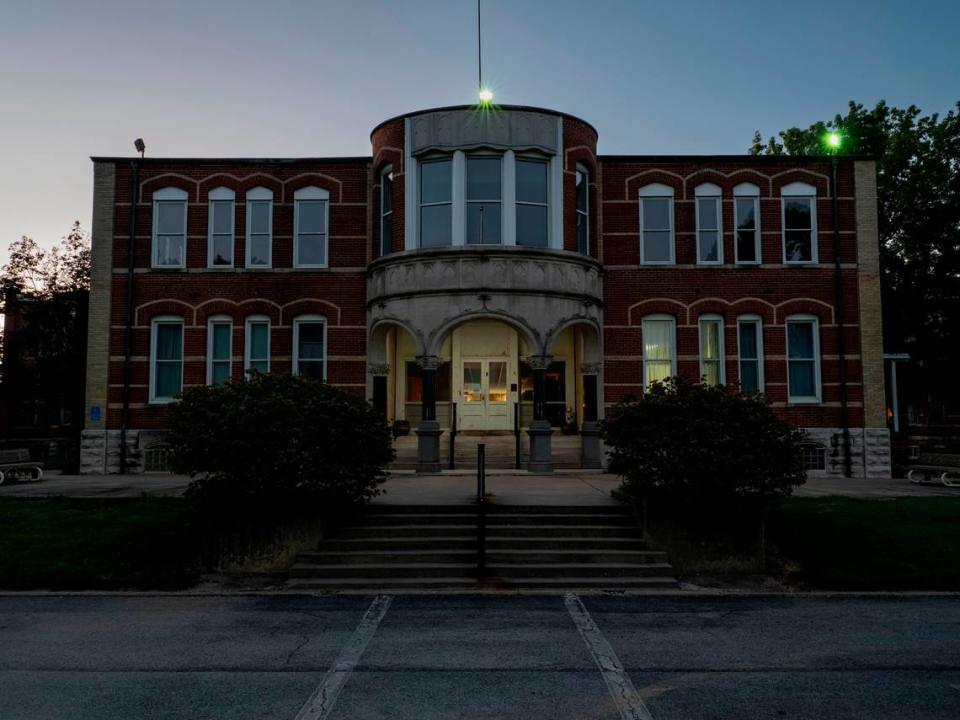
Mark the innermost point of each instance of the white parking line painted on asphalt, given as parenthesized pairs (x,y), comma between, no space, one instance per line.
(321,702)
(621,688)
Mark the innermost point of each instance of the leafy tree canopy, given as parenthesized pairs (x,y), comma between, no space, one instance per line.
(40,274)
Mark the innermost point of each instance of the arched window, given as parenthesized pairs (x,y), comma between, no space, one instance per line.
(169,228)
(220,211)
(750,353)
(219,349)
(659,348)
(803,359)
(709,225)
(746,223)
(386,210)
(583,210)
(799,208)
(311,218)
(310,346)
(166,358)
(259,228)
(656,225)
(712,370)
(256,345)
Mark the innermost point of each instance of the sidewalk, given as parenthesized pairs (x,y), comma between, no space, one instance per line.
(508,487)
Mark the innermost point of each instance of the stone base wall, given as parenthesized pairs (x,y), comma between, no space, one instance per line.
(869,452)
(100,451)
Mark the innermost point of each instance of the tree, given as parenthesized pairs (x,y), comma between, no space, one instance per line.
(918,195)
(46,294)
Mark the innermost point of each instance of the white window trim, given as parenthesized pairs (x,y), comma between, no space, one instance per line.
(803,191)
(247,323)
(163,320)
(813,399)
(385,173)
(656,190)
(168,194)
(259,194)
(757,321)
(456,238)
(309,319)
(548,205)
(709,191)
(218,320)
(747,191)
(221,194)
(721,350)
(659,317)
(586,213)
(467,201)
(311,193)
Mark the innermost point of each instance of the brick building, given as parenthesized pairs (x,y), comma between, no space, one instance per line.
(483,268)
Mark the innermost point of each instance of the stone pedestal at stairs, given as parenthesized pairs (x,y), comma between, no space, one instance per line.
(592,447)
(428,447)
(541,455)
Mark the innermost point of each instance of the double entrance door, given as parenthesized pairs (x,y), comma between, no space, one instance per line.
(484,395)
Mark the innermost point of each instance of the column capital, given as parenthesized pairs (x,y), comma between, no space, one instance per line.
(591,368)
(429,362)
(539,362)
(378,369)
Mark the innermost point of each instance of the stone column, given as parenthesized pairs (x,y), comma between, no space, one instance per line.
(428,434)
(380,372)
(540,431)
(590,432)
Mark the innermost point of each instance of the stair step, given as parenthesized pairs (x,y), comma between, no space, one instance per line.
(499,518)
(501,531)
(336,584)
(470,583)
(560,570)
(389,570)
(469,542)
(439,554)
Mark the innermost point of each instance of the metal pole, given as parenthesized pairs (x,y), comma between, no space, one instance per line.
(838,291)
(481,512)
(516,433)
(128,321)
(453,437)
(893,391)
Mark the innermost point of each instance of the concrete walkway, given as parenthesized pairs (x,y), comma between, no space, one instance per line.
(509,487)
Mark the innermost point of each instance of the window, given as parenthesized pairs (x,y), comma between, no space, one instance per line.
(746,221)
(814,456)
(219,349)
(310,205)
(169,228)
(259,227)
(709,225)
(532,205)
(436,200)
(656,225)
(256,353)
(166,358)
(386,210)
(712,369)
(799,223)
(415,382)
(803,359)
(583,211)
(750,353)
(484,193)
(220,228)
(659,348)
(310,346)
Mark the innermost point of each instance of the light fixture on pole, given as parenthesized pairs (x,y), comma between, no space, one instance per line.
(140,146)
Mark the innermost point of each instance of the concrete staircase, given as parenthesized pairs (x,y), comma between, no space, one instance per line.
(500,451)
(531,547)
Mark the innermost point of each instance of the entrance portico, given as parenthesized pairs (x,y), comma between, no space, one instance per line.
(486,338)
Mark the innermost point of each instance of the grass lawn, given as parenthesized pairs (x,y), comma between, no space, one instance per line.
(855,544)
(83,544)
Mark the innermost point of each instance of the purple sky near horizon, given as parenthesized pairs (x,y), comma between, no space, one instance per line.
(296,79)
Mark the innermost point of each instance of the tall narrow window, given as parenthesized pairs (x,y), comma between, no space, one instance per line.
(386,210)
(310,346)
(712,370)
(169,228)
(746,222)
(709,225)
(659,348)
(532,205)
(583,212)
(256,353)
(750,353)
(483,200)
(310,218)
(166,358)
(803,359)
(656,225)
(436,199)
(219,349)
(220,228)
(799,223)
(259,227)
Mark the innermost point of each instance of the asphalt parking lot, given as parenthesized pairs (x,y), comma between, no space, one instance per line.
(417,656)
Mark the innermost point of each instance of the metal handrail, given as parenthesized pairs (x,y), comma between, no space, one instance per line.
(453,437)
(516,432)
(481,512)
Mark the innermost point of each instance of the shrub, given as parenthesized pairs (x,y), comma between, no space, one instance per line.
(277,445)
(700,446)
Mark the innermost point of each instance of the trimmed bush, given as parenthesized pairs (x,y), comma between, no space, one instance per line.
(699,445)
(278,445)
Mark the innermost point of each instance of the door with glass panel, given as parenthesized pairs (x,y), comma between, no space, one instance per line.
(484,397)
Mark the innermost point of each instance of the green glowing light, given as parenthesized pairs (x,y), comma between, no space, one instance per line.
(834,139)
(486,96)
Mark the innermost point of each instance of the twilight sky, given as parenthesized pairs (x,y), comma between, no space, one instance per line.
(285,79)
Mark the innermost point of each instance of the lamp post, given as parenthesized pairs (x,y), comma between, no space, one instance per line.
(834,142)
